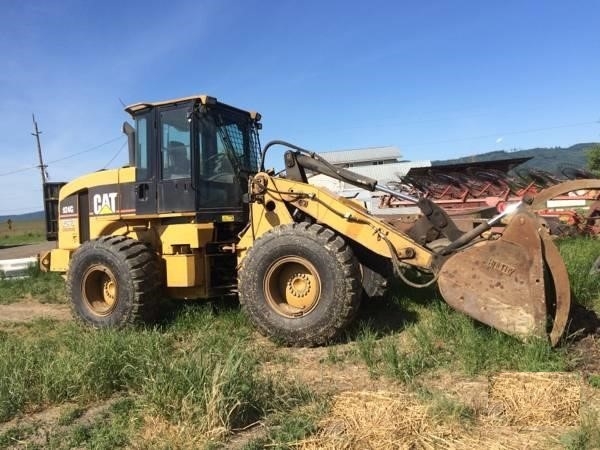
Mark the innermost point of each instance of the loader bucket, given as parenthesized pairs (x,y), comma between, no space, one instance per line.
(514,283)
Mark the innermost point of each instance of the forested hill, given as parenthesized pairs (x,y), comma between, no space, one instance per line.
(548,159)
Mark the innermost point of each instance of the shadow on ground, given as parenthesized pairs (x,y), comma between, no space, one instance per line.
(172,309)
(392,312)
(582,322)
(5,246)
(382,315)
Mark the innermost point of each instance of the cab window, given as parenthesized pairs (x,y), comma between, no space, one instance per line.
(141,148)
(175,144)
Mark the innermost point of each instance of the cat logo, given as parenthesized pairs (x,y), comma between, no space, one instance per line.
(105,203)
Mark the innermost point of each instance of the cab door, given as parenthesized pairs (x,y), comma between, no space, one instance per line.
(175,192)
(144,189)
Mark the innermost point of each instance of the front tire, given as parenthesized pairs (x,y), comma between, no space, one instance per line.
(300,284)
(113,281)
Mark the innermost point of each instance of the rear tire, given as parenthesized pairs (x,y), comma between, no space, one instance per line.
(300,284)
(114,281)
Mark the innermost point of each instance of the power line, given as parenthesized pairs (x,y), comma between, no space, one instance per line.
(72,155)
(86,151)
(508,133)
(115,155)
(18,170)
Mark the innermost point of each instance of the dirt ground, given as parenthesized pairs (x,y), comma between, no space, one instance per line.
(25,251)
(27,310)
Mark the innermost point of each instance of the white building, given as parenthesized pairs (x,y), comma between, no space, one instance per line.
(381,163)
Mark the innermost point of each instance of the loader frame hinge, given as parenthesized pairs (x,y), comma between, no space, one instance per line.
(434,224)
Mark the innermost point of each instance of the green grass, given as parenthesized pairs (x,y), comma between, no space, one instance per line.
(438,337)
(46,287)
(72,364)
(579,255)
(110,429)
(15,435)
(384,357)
(444,409)
(290,426)
(586,436)
(70,415)
(443,338)
(197,373)
(197,369)
(476,348)
(28,232)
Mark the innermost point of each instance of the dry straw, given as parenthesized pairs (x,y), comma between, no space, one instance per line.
(525,411)
(534,399)
(379,420)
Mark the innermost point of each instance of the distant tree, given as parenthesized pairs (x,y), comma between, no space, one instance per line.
(593,159)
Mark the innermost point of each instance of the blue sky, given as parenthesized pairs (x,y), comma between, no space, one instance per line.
(438,79)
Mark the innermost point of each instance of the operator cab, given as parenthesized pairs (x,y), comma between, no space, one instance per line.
(193,154)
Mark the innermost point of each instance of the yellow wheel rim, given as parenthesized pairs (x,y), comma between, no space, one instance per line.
(292,286)
(99,289)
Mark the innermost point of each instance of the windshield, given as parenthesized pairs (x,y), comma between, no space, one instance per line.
(228,143)
(228,150)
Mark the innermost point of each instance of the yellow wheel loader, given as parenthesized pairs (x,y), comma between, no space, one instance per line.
(196,215)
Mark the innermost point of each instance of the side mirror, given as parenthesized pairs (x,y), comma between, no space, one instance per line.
(130,132)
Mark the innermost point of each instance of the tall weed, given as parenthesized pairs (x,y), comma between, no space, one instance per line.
(579,255)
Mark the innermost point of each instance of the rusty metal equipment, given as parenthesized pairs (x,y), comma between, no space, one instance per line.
(490,282)
(473,191)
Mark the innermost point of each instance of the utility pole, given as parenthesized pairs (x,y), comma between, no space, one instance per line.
(37,133)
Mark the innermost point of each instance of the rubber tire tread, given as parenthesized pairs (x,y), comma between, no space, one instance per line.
(138,274)
(339,270)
